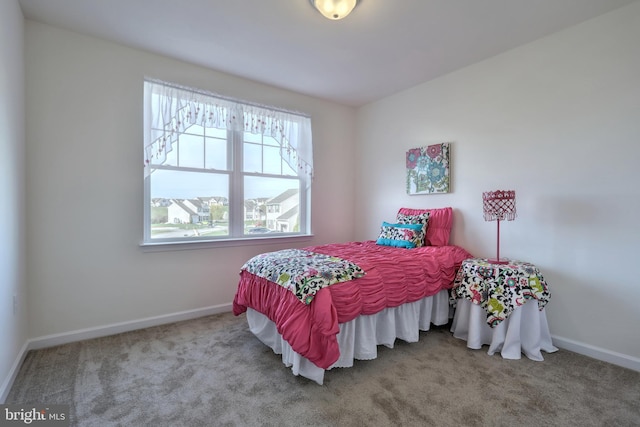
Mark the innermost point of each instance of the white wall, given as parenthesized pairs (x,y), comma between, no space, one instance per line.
(84,185)
(14,325)
(557,120)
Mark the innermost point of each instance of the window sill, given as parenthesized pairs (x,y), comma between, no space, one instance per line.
(222,243)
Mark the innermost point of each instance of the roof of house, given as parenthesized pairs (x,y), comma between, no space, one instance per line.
(291,213)
(287,194)
(182,206)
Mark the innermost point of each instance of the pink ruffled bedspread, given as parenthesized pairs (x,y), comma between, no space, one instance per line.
(393,276)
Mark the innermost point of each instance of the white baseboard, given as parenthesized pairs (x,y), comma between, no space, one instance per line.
(117,328)
(602,354)
(13,373)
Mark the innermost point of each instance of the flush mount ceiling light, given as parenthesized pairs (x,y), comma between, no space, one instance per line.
(334,9)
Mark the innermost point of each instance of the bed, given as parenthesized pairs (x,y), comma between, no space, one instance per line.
(390,288)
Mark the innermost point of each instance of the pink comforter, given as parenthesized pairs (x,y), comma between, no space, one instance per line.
(394,276)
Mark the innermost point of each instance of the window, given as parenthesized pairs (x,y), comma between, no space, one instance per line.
(221,169)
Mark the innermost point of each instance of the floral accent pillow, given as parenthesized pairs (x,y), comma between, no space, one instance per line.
(422,219)
(440,223)
(399,235)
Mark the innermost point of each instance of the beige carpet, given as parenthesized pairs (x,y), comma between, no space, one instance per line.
(213,372)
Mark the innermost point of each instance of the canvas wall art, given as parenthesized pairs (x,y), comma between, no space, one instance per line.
(428,169)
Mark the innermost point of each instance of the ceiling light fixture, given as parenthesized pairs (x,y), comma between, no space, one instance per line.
(334,9)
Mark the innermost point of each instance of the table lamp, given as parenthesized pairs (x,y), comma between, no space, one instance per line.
(499,205)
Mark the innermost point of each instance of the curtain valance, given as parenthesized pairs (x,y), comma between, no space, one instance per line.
(171,109)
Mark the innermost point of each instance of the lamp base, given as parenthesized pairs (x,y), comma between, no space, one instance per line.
(498,261)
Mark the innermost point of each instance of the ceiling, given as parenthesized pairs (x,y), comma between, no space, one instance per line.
(382,48)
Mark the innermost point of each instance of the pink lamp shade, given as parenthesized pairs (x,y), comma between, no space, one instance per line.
(498,206)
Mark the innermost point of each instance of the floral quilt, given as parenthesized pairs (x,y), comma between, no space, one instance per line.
(302,272)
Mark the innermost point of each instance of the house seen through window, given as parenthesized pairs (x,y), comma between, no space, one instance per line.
(220,169)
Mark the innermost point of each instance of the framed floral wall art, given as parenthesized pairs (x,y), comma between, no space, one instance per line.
(428,169)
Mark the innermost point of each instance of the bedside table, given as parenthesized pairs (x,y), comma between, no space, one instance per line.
(502,305)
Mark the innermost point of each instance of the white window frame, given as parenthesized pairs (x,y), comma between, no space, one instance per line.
(235,142)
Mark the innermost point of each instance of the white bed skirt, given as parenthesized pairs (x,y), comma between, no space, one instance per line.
(524,331)
(359,338)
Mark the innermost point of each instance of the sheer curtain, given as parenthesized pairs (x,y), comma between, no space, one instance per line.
(171,109)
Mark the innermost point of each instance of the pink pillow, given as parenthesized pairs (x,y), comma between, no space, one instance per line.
(439,226)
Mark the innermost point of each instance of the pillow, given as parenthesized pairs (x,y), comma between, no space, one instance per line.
(421,218)
(439,227)
(398,235)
